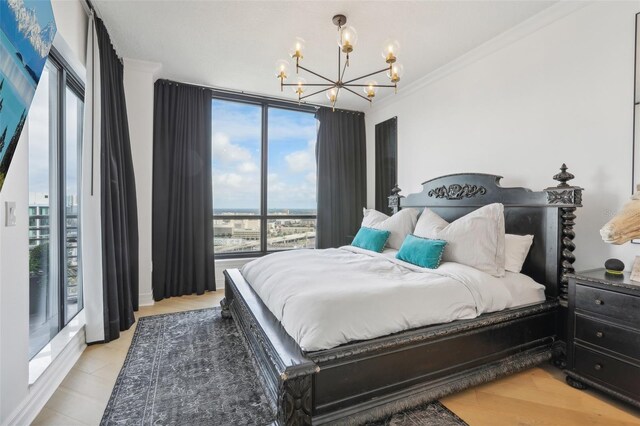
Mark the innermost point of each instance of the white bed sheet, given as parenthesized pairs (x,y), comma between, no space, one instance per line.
(325,298)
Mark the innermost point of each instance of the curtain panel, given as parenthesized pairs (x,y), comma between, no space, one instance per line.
(182,191)
(342,176)
(118,188)
(91,196)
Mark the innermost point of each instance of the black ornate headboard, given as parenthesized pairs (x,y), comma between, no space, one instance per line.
(548,215)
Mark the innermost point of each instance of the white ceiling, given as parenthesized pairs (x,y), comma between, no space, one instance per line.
(235,44)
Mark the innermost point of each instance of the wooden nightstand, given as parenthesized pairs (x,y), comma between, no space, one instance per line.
(603,336)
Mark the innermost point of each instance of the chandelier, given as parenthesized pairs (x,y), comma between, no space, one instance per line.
(347,39)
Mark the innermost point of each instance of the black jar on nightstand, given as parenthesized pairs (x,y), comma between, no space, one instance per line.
(603,339)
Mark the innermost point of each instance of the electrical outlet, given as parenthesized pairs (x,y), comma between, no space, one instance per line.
(10,213)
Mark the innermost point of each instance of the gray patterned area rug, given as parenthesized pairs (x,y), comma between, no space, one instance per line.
(192,368)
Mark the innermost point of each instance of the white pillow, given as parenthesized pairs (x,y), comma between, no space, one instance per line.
(399,225)
(476,239)
(516,249)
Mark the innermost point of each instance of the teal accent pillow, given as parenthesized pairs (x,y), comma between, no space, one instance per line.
(371,239)
(422,252)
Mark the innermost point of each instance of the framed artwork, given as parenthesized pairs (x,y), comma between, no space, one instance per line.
(27,29)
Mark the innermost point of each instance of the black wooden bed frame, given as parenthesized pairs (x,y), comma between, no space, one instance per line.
(365,380)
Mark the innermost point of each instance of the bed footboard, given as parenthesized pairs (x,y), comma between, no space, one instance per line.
(285,371)
(363,381)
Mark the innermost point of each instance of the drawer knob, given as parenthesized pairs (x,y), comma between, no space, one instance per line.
(599,302)
(599,334)
(598,366)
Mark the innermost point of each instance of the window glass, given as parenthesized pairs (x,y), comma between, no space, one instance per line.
(236,157)
(43,282)
(264,177)
(73,136)
(291,233)
(55,134)
(291,186)
(236,235)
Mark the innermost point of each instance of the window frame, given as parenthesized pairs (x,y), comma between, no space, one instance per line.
(66,79)
(264,103)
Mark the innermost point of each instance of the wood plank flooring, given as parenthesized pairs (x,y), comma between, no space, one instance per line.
(538,396)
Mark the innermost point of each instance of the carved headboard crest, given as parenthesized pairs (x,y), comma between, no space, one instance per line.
(457,191)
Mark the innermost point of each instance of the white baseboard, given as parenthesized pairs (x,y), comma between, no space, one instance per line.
(48,382)
(145,299)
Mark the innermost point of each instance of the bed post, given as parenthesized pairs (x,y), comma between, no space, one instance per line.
(295,400)
(226,300)
(570,198)
(394,199)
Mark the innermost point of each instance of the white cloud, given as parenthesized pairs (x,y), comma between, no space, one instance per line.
(281,127)
(247,167)
(311,178)
(225,151)
(229,180)
(302,161)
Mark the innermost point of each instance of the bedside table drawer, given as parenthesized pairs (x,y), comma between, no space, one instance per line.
(609,336)
(622,375)
(609,303)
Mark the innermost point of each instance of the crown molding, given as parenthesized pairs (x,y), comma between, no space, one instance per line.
(516,33)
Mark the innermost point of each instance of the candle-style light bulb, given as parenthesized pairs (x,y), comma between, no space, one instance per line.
(300,87)
(395,72)
(370,89)
(390,50)
(347,39)
(332,95)
(296,51)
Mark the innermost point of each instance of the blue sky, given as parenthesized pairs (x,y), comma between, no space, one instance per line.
(236,141)
(39,137)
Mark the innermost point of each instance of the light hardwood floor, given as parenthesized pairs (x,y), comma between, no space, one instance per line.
(538,396)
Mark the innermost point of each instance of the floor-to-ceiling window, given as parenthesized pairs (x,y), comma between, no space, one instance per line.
(264,176)
(55,133)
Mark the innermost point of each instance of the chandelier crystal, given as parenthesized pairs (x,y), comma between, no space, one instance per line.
(347,39)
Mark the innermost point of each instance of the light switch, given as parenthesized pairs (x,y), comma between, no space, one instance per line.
(10,213)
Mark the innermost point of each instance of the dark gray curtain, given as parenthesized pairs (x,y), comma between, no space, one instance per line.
(342,176)
(386,162)
(119,208)
(182,191)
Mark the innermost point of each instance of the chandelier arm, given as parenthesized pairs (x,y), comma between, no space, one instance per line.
(316,74)
(367,75)
(357,94)
(343,71)
(367,85)
(330,85)
(339,59)
(315,93)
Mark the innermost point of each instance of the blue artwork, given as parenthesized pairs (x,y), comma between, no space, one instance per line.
(27,29)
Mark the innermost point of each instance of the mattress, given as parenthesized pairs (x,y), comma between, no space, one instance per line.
(326,298)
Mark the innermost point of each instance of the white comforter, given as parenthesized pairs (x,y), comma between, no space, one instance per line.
(325,298)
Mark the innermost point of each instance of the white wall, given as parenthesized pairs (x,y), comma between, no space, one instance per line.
(139,77)
(71,20)
(14,286)
(563,93)
(14,243)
